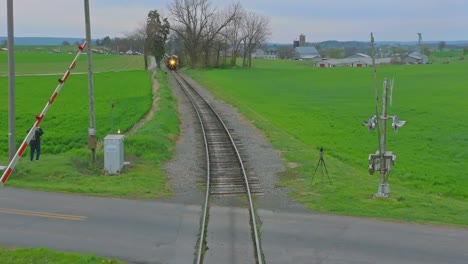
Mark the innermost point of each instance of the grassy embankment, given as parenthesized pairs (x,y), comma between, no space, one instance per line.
(65,161)
(45,256)
(302,108)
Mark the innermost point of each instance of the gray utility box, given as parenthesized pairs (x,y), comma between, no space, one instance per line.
(113,154)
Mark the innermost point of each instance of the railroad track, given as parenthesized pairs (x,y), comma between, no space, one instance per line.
(226,176)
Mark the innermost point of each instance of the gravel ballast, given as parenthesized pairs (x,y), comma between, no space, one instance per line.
(186,171)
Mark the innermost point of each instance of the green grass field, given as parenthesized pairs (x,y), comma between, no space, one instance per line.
(45,256)
(302,108)
(65,161)
(46,63)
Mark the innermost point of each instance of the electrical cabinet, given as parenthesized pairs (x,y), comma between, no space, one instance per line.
(113,154)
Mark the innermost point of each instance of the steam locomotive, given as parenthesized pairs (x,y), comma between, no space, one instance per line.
(172,61)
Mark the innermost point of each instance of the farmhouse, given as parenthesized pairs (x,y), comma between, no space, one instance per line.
(132,52)
(262,54)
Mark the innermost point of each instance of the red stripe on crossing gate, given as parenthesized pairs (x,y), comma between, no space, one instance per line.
(22,149)
(66,76)
(51,100)
(39,119)
(7,174)
(72,66)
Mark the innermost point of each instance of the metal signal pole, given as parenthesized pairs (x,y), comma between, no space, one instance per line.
(92,141)
(383,160)
(11,81)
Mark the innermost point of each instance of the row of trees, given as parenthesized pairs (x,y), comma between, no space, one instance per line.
(204,35)
(199,33)
(133,41)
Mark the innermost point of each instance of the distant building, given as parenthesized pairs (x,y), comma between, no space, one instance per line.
(265,54)
(352,62)
(295,43)
(306,53)
(302,40)
(416,58)
(258,54)
(271,54)
(359,55)
(132,52)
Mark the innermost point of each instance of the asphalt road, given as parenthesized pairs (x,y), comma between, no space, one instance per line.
(137,231)
(325,239)
(157,232)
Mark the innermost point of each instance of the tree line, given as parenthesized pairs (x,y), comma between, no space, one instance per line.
(204,35)
(199,33)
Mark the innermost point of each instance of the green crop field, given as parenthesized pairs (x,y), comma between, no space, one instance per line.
(302,108)
(47,63)
(66,123)
(45,256)
(65,161)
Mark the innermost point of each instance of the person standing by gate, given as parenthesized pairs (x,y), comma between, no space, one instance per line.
(35,143)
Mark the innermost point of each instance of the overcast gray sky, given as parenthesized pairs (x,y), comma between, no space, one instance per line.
(319,20)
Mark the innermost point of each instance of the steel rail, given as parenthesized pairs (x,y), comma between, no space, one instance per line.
(207,194)
(185,85)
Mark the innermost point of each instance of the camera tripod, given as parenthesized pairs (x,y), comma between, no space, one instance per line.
(322,165)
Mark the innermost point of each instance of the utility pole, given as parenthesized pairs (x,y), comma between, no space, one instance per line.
(92,141)
(11,81)
(419,43)
(383,160)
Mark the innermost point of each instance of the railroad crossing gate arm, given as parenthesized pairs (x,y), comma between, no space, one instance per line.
(9,169)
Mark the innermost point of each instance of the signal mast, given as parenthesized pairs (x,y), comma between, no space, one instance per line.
(383,160)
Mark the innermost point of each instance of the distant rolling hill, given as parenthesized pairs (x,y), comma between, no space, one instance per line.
(343,44)
(23,41)
(324,44)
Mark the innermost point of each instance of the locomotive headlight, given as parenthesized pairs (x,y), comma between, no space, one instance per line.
(172,62)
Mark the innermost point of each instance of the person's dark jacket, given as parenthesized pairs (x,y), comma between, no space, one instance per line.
(36,139)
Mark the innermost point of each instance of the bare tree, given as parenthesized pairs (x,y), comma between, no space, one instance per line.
(209,35)
(198,24)
(286,52)
(191,17)
(255,29)
(441,45)
(334,53)
(425,50)
(220,45)
(137,38)
(234,36)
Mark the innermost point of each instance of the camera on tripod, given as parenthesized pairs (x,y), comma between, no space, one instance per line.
(322,165)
